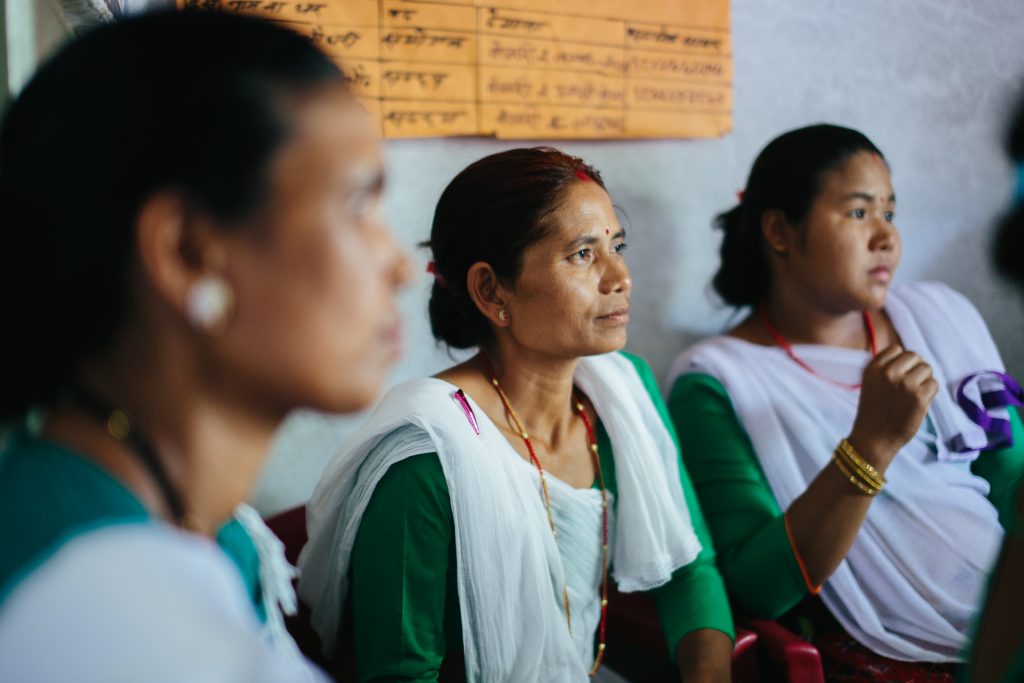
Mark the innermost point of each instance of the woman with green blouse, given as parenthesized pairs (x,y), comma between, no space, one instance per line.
(191,234)
(830,434)
(485,510)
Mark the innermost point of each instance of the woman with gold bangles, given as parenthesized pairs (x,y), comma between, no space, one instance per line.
(486,509)
(846,437)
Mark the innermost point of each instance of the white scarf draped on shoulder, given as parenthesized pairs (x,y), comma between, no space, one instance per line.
(912,581)
(510,573)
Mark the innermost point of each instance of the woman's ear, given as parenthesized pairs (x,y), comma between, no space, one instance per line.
(776,232)
(488,294)
(183,259)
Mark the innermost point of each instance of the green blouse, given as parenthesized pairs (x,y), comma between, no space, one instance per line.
(403,595)
(754,553)
(50,494)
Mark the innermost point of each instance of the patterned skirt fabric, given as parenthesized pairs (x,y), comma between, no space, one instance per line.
(847,661)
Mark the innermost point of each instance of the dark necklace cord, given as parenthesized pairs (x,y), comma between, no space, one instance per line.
(119,425)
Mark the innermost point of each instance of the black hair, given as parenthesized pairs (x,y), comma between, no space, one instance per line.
(787,175)
(492,211)
(1009,242)
(190,102)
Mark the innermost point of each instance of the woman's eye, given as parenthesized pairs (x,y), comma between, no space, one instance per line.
(581,255)
(619,248)
(362,203)
(890,215)
(857,213)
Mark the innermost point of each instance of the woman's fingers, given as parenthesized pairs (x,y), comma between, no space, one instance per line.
(918,375)
(899,366)
(886,355)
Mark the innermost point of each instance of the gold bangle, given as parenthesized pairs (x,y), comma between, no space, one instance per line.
(852,478)
(860,474)
(856,481)
(852,470)
(850,454)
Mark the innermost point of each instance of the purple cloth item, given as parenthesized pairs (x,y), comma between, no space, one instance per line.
(997,391)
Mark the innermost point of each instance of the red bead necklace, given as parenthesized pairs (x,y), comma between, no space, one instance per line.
(785,345)
(592,443)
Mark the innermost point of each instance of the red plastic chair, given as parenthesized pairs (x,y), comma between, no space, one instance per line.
(633,622)
(765,650)
(789,657)
(290,527)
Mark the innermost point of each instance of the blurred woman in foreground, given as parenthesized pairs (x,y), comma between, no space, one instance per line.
(191,249)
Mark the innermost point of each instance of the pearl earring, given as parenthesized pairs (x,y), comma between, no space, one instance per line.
(502,315)
(209,304)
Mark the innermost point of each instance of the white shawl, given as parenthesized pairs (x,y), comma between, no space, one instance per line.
(912,581)
(510,574)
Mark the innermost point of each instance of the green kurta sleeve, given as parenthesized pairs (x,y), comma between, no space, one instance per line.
(695,598)
(754,553)
(402,572)
(1004,470)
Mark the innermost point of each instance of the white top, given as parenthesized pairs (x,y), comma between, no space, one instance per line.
(138,602)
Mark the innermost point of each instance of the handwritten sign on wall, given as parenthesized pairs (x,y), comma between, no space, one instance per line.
(524,69)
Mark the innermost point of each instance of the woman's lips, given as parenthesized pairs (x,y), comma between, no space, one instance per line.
(620,315)
(881,273)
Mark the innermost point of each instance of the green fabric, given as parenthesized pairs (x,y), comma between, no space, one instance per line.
(1015,669)
(1005,566)
(404,596)
(405,602)
(235,541)
(1004,470)
(49,495)
(754,553)
(695,598)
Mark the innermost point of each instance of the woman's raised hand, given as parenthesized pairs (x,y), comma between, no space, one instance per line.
(896,391)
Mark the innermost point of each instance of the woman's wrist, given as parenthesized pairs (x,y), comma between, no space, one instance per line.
(705,656)
(857,470)
(877,452)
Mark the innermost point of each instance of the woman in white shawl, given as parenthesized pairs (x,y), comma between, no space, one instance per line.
(483,511)
(840,436)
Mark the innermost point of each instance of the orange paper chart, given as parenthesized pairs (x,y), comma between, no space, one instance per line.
(524,69)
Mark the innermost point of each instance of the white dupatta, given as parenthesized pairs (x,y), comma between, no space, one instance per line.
(913,579)
(510,574)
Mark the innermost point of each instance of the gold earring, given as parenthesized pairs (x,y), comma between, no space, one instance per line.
(502,315)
